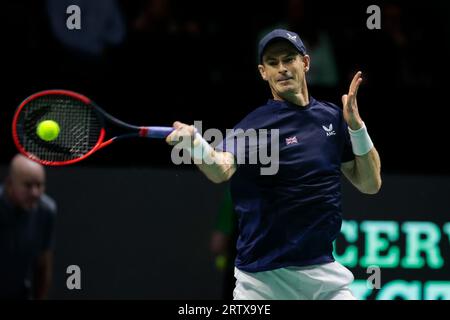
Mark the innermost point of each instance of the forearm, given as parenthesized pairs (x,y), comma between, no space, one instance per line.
(216,165)
(221,169)
(367,172)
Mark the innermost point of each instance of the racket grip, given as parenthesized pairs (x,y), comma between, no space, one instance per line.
(156,132)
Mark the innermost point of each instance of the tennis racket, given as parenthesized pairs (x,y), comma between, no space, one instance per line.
(82,128)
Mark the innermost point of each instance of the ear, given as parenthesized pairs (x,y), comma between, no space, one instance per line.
(306,62)
(262,71)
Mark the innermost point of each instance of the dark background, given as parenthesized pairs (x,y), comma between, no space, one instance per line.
(197,60)
(143,233)
(138,225)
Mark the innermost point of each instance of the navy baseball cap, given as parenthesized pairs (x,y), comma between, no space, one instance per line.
(290,36)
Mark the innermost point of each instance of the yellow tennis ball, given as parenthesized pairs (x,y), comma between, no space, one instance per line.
(48,130)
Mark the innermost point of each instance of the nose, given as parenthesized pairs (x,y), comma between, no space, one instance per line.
(282,68)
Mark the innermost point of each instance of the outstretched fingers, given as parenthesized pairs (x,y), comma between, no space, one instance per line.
(354,85)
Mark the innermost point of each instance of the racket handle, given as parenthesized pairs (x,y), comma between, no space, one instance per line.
(155,132)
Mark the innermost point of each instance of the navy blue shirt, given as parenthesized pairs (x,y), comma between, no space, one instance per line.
(291,218)
(24,235)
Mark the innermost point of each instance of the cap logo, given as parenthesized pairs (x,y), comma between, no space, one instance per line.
(291,37)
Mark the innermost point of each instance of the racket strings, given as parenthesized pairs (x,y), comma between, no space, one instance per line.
(79,125)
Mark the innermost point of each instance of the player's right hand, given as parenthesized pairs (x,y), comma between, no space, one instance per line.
(182,136)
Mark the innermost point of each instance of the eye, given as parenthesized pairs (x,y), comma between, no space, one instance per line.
(289,59)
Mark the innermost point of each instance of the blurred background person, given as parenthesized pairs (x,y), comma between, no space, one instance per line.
(27,218)
(85,57)
(101,25)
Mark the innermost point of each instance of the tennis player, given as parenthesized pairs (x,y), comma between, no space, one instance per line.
(288,221)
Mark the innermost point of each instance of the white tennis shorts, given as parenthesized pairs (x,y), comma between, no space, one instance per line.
(327,281)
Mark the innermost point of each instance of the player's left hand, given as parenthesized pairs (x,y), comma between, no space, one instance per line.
(350,105)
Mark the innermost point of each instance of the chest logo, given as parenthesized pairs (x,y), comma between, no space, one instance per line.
(329,130)
(291,140)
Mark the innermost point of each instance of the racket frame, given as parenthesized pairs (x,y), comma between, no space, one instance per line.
(136,131)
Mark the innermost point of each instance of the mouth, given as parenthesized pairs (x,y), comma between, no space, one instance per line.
(284,79)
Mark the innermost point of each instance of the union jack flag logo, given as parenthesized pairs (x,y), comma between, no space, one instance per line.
(291,140)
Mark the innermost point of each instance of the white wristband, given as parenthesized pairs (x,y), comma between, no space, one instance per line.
(201,151)
(361,142)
